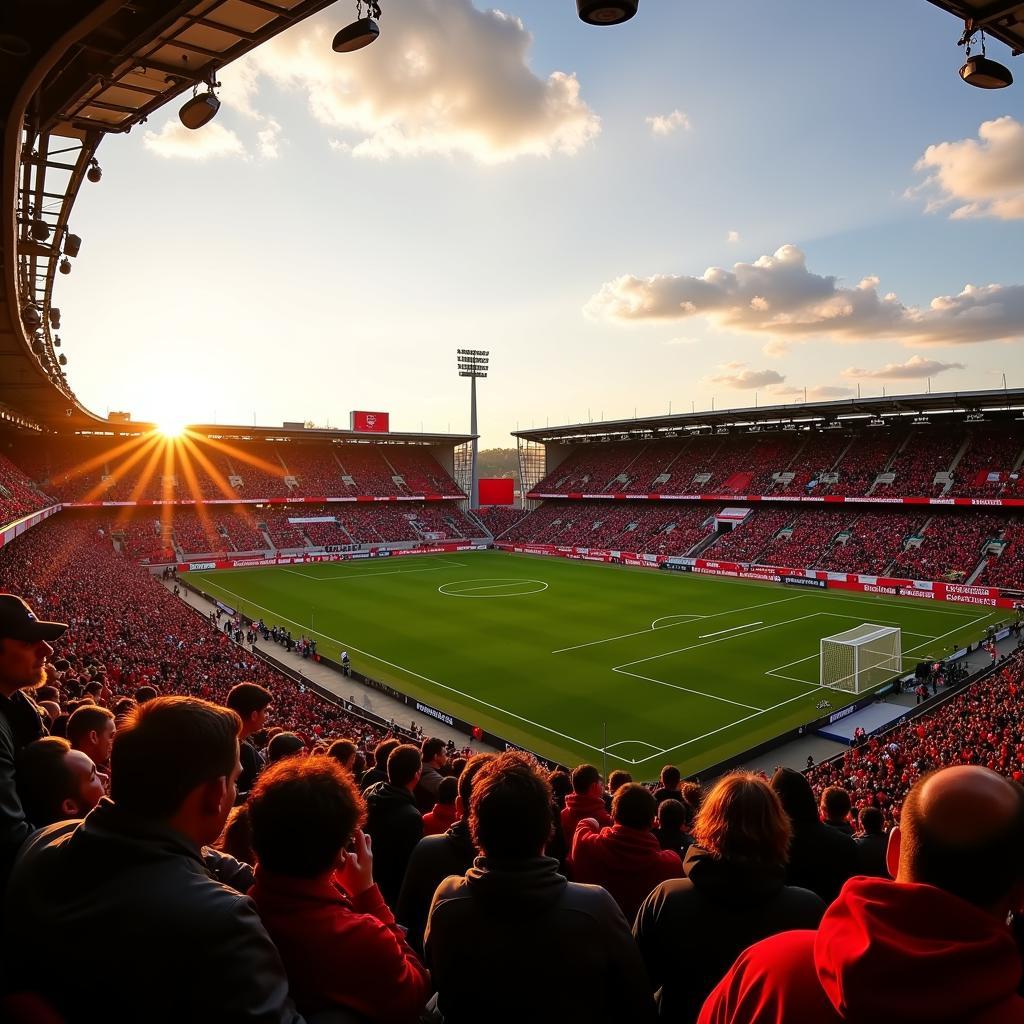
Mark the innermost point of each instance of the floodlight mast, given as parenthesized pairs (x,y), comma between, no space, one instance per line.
(473,363)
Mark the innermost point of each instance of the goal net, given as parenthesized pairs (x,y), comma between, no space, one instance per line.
(861,658)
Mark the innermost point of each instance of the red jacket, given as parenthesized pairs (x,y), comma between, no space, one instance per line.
(885,951)
(439,820)
(628,862)
(340,950)
(579,806)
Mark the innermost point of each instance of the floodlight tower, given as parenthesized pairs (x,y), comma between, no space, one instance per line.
(473,364)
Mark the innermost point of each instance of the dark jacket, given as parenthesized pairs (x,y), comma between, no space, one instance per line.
(14,829)
(396,826)
(373,777)
(113,893)
(676,839)
(690,930)
(821,858)
(432,861)
(426,789)
(252,764)
(871,854)
(885,951)
(517,943)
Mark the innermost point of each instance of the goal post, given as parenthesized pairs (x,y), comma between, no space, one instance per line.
(861,658)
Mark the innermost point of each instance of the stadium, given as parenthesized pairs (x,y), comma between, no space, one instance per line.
(293,716)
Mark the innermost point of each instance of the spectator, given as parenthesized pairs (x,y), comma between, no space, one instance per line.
(835,809)
(318,899)
(284,744)
(437,857)
(91,730)
(443,815)
(672,827)
(393,821)
(514,935)
(251,702)
(55,782)
(931,946)
(585,801)
(616,779)
(235,838)
(344,752)
(669,789)
(132,874)
(820,858)
(435,759)
(379,771)
(24,648)
(624,858)
(145,693)
(690,930)
(872,843)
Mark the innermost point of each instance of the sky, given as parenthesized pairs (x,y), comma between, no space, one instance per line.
(660,215)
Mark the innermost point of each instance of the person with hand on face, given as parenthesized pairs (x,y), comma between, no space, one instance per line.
(24,648)
(315,892)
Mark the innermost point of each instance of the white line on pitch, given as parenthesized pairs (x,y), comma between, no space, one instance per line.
(409,671)
(652,629)
(731,629)
(686,689)
(368,575)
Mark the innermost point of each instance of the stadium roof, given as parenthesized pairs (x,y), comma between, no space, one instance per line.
(1001,19)
(850,410)
(226,432)
(71,72)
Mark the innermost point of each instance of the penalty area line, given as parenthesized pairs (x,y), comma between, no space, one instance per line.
(731,629)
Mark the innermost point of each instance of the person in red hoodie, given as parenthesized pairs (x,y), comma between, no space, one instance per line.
(315,893)
(585,801)
(437,821)
(626,857)
(932,946)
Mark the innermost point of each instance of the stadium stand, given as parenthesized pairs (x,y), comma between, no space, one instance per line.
(499,518)
(950,548)
(18,494)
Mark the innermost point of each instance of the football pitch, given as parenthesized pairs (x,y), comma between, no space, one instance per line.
(584,661)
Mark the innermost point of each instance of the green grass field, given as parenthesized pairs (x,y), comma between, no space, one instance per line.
(550,653)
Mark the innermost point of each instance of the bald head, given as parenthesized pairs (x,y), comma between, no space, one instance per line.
(962,830)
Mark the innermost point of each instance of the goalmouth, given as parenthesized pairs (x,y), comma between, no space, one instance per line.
(861,658)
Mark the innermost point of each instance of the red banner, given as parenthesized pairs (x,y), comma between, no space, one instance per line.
(497,491)
(369,422)
(824,499)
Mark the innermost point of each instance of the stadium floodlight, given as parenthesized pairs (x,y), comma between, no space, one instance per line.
(978,70)
(363,31)
(473,363)
(40,229)
(65,266)
(606,12)
(72,245)
(203,107)
(95,172)
(862,657)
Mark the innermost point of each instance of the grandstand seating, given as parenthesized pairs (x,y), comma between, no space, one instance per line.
(745,542)
(951,548)
(811,533)
(873,542)
(499,518)
(19,496)
(1007,570)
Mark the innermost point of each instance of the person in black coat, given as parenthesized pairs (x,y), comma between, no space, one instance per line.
(393,821)
(821,858)
(671,826)
(872,844)
(690,930)
(437,857)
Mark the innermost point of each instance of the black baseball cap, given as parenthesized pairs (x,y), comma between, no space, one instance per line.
(18,621)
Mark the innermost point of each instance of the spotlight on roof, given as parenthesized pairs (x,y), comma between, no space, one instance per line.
(65,266)
(62,359)
(72,245)
(979,70)
(606,12)
(984,73)
(203,106)
(363,31)
(40,229)
(30,316)
(55,317)
(95,172)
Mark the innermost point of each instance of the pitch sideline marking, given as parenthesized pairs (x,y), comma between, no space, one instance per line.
(686,689)
(411,672)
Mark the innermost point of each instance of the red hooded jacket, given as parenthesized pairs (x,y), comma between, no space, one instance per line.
(439,820)
(579,806)
(885,951)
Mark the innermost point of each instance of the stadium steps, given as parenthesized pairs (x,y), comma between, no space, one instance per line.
(961,452)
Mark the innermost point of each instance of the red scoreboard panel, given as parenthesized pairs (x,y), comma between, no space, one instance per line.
(369,422)
(497,491)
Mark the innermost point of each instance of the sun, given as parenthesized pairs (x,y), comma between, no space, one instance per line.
(170,428)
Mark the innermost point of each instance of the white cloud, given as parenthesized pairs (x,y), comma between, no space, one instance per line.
(915,368)
(210,142)
(778,298)
(682,340)
(732,236)
(667,124)
(735,375)
(984,177)
(443,78)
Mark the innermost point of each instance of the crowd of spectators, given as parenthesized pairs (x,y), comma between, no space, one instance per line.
(500,518)
(951,547)
(19,496)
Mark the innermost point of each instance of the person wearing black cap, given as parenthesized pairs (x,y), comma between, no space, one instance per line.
(24,648)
